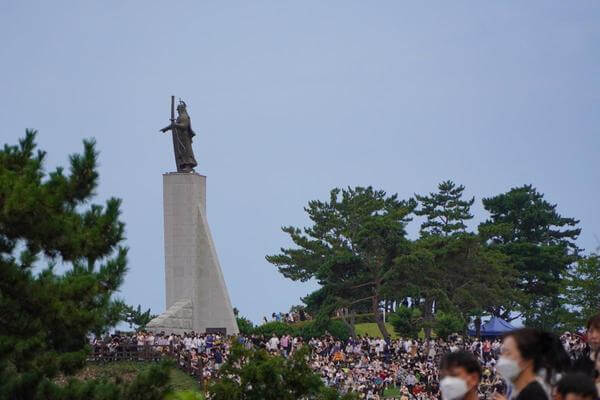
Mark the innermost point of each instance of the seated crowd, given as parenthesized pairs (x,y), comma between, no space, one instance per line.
(524,364)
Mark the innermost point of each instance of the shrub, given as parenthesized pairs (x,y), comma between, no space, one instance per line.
(406,321)
(245,326)
(251,374)
(274,327)
(335,328)
(448,323)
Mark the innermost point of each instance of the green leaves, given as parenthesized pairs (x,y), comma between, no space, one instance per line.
(135,316)
(43,212)
(448,323)
(356,249)
(580,291)
(522,215)
(45,317)
(407,321)
(445,210)
(256,375)
(350,246)
(539,243)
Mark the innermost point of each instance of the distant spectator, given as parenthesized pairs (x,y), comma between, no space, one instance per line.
(576,386)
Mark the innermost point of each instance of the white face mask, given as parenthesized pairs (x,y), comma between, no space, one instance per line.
(453,388)
(508,368)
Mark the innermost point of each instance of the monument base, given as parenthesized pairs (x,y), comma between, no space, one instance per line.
(197,298)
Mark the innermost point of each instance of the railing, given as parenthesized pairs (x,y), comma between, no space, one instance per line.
(105,353)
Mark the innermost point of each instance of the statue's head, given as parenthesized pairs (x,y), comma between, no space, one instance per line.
(181,106)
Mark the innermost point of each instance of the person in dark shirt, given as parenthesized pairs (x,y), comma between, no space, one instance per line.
(525,352)
(576,386)
(218,356)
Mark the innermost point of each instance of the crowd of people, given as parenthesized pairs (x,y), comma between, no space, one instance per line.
(524,364)
(290,317)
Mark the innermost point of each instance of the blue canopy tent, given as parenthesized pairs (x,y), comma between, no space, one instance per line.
(493,328)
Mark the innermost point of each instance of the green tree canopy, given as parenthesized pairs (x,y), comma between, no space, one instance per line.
(446,211)
(406,321)
(136,317)
(44,316)
(540,243)
(254,374)
(448,268)
(447,323)
(455,273)
(350,247)
(581,292)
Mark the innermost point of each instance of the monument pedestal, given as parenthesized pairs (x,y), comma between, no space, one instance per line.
(197,298)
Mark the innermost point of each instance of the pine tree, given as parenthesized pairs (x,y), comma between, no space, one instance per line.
(445,210)
(45,317)
(349,249)
(135,316)
(540,243)
(581,292)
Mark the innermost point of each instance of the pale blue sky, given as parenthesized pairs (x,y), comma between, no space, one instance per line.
(292,98)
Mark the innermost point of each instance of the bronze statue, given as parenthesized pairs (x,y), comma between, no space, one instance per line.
(182,137)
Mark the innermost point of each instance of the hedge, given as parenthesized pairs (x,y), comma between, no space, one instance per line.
(305,329)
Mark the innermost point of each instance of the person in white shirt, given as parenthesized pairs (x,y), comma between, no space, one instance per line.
(380,346)
(407,345)
(273,343)
(187,342)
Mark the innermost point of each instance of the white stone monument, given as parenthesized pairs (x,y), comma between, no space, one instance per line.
(197,298)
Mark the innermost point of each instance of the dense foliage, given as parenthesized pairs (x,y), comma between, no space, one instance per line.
(305,329)
(406,321)
(350,249)
(45,316)
(447,324)
(257,375)
(245,326)
(522,261)
(540,244)
(136,317)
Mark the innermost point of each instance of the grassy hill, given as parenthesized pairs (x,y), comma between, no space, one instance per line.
(127,371)
(371,329)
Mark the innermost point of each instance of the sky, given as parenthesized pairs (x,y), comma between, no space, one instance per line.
(290,99)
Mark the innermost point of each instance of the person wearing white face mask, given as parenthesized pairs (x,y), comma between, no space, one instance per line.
(461,375)
(525,354)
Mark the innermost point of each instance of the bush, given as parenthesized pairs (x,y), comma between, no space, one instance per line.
(305,329)
(448,323)
(406,321)
(245,326)
(254,374)
(335,328)
(274,327)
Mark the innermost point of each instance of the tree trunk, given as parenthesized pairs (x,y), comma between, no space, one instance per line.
(349,324)
(478,326)
(428,316)
(379,317)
